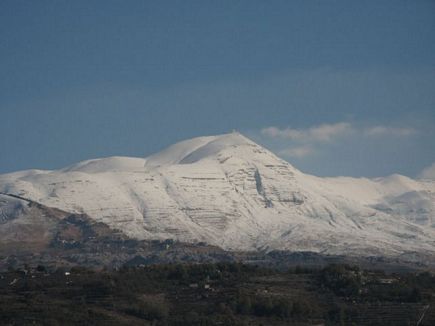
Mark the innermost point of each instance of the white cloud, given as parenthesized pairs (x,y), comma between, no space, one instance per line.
(428,173)
(303,143)
(388,131)
(329,132)
(297,152)
(321,133)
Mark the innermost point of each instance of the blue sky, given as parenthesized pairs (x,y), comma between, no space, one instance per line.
(335,87)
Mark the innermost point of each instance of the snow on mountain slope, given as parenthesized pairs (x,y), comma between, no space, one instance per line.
(175,153)
(110,164)
(229,191)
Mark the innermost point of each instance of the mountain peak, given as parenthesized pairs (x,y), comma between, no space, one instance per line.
(234,138)
(195,149)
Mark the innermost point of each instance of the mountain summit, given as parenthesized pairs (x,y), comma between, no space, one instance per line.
(192,150)
(228,191)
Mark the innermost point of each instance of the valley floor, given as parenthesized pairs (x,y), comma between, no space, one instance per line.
(216,294)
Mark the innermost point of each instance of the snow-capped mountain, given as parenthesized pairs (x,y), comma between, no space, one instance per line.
(229,191)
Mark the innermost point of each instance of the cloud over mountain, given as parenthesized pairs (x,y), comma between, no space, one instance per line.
(327,132)
(428,172)
(320,133)
(343,141)
(377,131)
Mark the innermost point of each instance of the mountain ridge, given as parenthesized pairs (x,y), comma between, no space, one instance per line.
(228,191)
